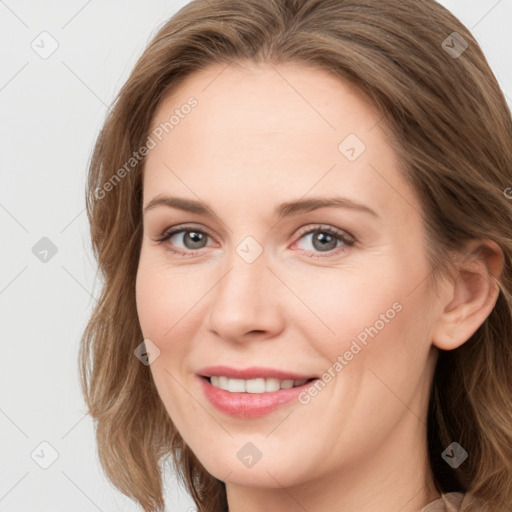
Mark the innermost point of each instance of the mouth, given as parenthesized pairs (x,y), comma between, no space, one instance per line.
(251,392)
(252,398)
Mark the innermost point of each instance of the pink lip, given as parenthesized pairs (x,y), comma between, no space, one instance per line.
(254,372)
(249,405)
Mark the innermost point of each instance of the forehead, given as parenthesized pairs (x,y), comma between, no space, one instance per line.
(265,99)
(288,128)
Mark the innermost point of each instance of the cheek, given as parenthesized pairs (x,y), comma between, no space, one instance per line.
(170,307)
(163,298)
(150,300)
(339,304)
(162,305)
(370,314)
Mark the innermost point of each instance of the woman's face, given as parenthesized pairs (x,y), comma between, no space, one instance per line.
(264,277)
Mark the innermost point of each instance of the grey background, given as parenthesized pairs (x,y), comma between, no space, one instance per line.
(51,111)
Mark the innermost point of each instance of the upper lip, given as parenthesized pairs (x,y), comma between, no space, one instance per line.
(253,372)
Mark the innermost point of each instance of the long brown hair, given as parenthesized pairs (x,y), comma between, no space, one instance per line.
(451,128)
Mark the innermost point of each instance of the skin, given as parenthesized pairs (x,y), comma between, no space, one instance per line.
(262,135)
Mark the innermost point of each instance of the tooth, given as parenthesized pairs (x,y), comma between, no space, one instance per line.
(236,385)
(255,385)
(223,383)
(287,384)
(272,385)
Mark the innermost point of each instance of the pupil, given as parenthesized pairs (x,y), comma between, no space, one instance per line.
(195,239)
(324,237)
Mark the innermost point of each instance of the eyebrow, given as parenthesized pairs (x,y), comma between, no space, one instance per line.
(283,210)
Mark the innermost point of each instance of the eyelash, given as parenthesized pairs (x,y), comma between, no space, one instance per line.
(338,234)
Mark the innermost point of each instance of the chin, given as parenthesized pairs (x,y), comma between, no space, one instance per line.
(270,473)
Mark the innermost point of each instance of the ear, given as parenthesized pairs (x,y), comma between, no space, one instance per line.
(471,296)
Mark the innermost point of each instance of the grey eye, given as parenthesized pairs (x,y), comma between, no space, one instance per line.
(193,239)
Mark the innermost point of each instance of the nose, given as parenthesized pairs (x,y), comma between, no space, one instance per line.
(248,301)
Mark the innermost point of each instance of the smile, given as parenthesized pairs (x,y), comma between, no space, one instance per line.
(241,402)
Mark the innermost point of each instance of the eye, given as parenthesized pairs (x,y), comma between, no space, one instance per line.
(190,237)
(326,239)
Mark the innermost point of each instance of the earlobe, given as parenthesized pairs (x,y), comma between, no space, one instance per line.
(472,294)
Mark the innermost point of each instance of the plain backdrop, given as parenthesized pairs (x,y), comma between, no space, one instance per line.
(52,107)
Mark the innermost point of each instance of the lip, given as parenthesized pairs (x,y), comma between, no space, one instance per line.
(254,372)
(250,405)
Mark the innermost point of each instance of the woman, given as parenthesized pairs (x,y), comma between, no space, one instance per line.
(300,210)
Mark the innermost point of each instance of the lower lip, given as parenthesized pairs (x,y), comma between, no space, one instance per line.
(250,405)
